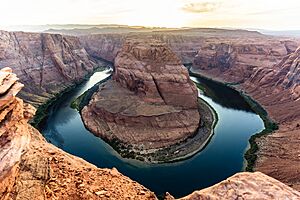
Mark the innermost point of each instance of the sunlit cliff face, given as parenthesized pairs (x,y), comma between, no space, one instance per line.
(271,14)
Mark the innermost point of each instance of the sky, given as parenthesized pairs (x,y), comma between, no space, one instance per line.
(264,14)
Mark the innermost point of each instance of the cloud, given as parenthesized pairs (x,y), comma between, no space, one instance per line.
(200,7)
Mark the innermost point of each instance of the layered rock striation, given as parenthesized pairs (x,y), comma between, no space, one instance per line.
(151,103)
(276,87)
(236,59)
(46,63)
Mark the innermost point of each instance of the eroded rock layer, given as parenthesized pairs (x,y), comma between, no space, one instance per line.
(151,102)
(46,63)
(276,88)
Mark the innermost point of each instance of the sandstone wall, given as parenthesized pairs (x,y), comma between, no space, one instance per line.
(46,63)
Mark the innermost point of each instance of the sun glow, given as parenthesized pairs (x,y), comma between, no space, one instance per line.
(165,13)
(270,14)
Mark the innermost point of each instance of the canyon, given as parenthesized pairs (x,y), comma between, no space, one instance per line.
(46,63)
(276,87)
(33,168)
(263,67)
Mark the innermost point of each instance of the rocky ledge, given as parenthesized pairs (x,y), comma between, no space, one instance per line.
(150,105)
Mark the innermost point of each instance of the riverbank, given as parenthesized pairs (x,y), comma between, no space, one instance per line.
(84,99)
(270,126)
(195,144)
(189,147)
(42,111)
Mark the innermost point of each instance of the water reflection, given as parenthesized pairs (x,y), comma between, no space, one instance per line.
(223,95)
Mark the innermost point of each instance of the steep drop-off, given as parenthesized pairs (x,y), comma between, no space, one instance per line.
(276,88)
(209,49)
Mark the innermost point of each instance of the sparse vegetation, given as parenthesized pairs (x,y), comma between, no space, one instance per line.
(270,126)
(84,99)
(42,111)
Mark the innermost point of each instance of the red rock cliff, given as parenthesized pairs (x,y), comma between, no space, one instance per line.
(46,63)
(153,71)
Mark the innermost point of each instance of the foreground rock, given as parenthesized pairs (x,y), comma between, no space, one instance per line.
(150,104)
(246,186)
(31,168)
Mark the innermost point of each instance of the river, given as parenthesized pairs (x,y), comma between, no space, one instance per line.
(221,158)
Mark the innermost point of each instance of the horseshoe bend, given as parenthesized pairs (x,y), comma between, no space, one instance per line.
(33,168)
(149,109)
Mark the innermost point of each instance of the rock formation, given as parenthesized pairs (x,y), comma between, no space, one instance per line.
(209,49)
(246,186)
(46,63)
(235,60)
(285,75)
(151,102)
(264,68)
(104,46)
(31,168)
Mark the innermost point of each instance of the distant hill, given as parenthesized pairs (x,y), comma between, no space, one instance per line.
(288,33)
(105,29)
(140,29)
(85,29)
